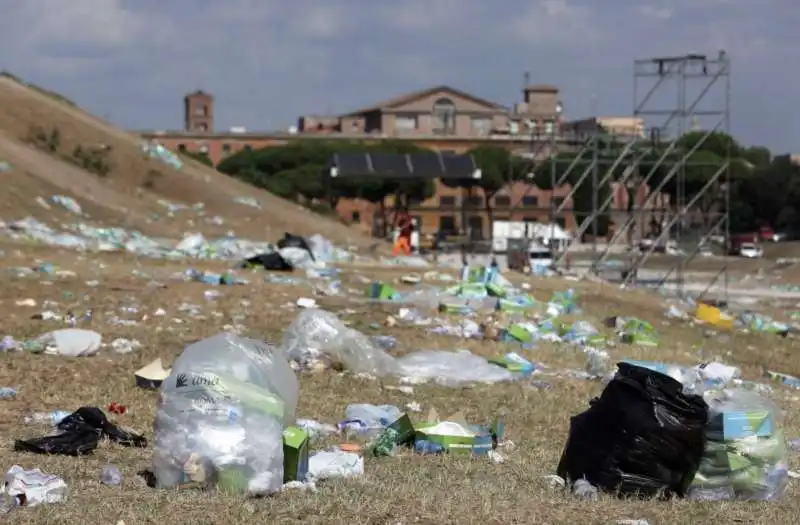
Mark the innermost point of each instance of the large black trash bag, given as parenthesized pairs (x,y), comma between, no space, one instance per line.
(295,241)
(80,434)
(268,261)
(642,437)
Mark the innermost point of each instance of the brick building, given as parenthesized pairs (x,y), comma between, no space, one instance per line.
(440,118)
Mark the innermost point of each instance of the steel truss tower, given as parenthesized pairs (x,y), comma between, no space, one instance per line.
(671,96)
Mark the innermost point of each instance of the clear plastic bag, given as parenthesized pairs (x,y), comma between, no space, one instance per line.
(221,416)
(750,462)
(451,368)
(317,334)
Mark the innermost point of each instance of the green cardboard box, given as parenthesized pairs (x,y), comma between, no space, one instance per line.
(518,333)
(482,439)
(381,292)
(405,430)
(295,454)
(495,290)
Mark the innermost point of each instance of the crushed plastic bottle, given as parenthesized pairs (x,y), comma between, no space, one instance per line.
(7,392)
(585,490)
(54,418)
(425,447)
(110,475)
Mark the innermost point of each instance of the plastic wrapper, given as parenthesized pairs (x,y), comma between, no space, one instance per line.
(221,416)
(644,436)
(318,336)
(746,455)
(451,368)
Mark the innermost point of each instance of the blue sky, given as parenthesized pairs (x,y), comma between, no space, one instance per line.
(268,61)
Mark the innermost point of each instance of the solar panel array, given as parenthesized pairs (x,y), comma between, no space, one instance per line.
(399,166)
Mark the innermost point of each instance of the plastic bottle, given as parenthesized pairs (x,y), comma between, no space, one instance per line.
(585,490)
(7,392)
(110,475)
(54,418)
(423,446)
(465,273)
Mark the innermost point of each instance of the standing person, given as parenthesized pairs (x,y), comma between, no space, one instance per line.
(404,227)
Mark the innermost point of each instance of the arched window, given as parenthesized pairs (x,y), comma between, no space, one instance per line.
(444,117)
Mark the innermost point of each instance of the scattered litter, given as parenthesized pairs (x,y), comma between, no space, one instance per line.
(29,488)
(69,342)
(151,375)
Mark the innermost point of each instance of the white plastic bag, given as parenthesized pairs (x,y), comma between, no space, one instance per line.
(71,342)
(317,333)
(221,416)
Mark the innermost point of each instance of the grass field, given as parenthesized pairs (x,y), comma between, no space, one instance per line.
(399,490)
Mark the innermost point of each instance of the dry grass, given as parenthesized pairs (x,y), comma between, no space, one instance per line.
(128,194)
(400,490)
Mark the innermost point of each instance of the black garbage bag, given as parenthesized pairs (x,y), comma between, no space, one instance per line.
(80,434)
(295,241)
(269,261)
(642,437)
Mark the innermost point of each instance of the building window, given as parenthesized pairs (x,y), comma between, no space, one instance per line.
(475,201)
(202,127)
(182,148)
(447,224)
(513,127)
(475,228)
(355,216)
(549,127)
(530,201)
(405,123)
(502,201)
(447,201)
(201,111)
(444,117)
(481,125)
(226,149)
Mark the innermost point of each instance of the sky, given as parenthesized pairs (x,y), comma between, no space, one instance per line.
(269,61)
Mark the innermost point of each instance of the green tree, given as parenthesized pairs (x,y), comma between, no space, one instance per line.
(498,168)
(757,156)
(199,156)
(722,144)
(298,171)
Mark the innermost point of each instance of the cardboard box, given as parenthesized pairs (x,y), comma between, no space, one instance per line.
(382,292)
(495,290)
(481,440)
(295,454)
(454,308)
(517,333)
(514,362)
(405,430)
(513,307)
(739,424)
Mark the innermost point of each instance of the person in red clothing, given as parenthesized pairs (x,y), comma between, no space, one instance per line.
(405,226)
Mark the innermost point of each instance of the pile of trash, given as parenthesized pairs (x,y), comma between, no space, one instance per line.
(665,430)
(84,237)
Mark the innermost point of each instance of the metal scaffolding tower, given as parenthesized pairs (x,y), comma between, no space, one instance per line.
(693,79)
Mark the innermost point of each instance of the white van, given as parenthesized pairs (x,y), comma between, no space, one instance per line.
(540,258)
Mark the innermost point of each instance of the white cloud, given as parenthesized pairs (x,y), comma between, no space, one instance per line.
(103,23)
(271,60)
